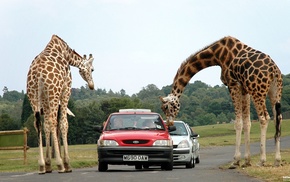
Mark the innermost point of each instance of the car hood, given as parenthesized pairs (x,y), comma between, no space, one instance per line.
(135,134)
(177,139)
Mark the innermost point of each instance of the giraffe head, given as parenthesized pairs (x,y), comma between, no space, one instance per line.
(170,107)
(85,69)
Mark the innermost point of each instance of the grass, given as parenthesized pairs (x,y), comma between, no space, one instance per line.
(212,135)
(224,134)
(80,156)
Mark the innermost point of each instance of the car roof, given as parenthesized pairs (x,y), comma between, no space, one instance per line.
(134,111)
(179,122)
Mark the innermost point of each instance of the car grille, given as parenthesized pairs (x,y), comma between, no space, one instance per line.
(135,152)
(135,141)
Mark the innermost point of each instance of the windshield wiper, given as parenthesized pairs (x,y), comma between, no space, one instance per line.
(131,128)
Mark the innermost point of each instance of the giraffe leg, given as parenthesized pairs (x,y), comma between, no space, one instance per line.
(37,126)
(66,156)
(59,162)
(41,162)
(277,121)
(48,168)
(236,94)
(274,94)
(237,156)
(247,128)
(64,129)
(264,126)
(260,104)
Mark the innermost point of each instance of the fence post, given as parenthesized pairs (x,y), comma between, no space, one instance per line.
(25,131)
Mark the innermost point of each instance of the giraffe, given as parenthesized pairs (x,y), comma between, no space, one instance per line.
(248,73)
(48,89)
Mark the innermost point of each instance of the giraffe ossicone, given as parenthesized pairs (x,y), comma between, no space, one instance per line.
(48,89)
(248,74)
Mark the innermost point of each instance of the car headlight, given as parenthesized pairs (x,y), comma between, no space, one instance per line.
(183,144)
(162,143)
(107,143)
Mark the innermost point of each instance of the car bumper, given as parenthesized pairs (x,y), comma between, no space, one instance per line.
(114,155)
(181,155)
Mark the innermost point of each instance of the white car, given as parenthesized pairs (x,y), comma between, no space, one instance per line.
(185,145)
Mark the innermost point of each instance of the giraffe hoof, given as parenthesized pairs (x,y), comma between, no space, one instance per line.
(41,170)
(48,171)
(260,164)
(246,165)
(234,165)
(277,163)
(61,169)
(68,171)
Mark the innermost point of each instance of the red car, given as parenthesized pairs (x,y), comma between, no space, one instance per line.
(135,137)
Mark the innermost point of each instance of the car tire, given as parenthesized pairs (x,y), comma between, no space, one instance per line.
(168,166)
(190,164)
(102,167)
(138,166)
(197,160)
(145,166)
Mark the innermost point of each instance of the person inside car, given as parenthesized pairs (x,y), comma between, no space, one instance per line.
(117,123)
(180,130)
(148,124)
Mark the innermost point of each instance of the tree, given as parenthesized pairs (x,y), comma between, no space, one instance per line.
(7,123)
(12,96)
(222,118)
(26,109)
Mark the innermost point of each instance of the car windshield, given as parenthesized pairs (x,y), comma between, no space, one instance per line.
(135,122)
(180,130)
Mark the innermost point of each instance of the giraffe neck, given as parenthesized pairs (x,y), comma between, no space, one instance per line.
(59,46)
(75,59)
(219,53)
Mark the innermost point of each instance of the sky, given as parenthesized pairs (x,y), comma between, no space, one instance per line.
(137,42)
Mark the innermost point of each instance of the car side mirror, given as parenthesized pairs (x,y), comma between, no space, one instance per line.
(195,135)
(99,129)
(171,128)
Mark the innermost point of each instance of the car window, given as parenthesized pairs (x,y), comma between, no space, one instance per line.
(180,129)
(134,121)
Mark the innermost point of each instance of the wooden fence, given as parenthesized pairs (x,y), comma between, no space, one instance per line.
(14,140)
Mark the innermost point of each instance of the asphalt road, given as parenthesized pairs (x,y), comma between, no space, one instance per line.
(207,170)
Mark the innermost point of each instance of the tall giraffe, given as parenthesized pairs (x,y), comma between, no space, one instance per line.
(247,73)
(48,89)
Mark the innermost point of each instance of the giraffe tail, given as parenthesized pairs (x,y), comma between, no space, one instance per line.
(278,121)
(38,124)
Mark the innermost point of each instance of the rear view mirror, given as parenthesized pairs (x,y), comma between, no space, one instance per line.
(171,128)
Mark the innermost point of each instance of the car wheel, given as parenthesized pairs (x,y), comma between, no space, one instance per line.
(146,166)
(102,166)
(197,160)
(190,164)
(138,166)
(168,166)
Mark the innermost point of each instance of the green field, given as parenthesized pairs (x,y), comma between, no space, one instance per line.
(210,135)
(224,134)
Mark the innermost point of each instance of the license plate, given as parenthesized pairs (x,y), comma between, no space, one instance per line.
(135,158)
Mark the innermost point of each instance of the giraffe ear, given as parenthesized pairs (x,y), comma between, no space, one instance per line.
(162,100)
(90,60)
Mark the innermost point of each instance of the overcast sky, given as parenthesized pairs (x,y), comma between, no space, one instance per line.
(137,42)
